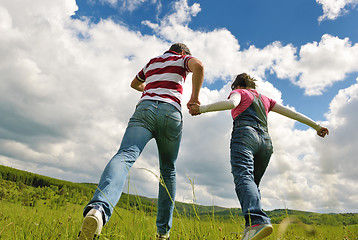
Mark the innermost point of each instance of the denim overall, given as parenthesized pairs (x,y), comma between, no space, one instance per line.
(250,150)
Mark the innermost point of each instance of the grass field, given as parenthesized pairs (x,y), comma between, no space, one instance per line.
(43,222)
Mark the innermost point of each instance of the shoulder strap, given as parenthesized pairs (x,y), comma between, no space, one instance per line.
(260,109)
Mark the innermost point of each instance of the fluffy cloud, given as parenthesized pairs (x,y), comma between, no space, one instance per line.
(67,82)
(319,65)
(129,5)
(65,101)
(315,67)
(335,8)
(325,63)
(343,145)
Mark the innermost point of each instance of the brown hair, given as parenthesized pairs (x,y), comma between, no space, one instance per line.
(244,80)
(179,47)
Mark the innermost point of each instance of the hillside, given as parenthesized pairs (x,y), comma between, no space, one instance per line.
(31,189)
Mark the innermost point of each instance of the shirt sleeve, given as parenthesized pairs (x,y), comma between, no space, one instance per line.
(232,102)
(272,104)
(295,116)
(141,76)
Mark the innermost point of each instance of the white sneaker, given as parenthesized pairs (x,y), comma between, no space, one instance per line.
(91,226)
(257,232)
(164,237)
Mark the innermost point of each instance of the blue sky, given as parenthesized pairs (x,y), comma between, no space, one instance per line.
(66,68)
(257,23)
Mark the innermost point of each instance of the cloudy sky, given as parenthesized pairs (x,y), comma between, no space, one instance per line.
(65,99)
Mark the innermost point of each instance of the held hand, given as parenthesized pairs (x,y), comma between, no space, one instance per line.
(192,102)
(322,132)
(194,109)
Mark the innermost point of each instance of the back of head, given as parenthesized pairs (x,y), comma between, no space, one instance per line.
(243,80)
(179,47)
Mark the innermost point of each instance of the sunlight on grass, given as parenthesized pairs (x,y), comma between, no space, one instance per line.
(135,217)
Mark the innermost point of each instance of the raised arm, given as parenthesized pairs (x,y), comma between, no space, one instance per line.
(232,102)
(321,131)
(197,69)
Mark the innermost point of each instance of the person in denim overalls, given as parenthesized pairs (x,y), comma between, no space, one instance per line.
(251,147)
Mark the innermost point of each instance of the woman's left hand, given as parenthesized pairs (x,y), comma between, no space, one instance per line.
(322,132)
(194,109)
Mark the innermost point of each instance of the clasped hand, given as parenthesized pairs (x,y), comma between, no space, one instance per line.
(194,109)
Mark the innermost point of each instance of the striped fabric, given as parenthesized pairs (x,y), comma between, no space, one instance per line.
(164,76)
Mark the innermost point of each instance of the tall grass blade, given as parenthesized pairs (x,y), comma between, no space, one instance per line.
(194,198)
(162,183)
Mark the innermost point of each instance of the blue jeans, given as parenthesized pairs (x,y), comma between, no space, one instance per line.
(151,119)
(251,149)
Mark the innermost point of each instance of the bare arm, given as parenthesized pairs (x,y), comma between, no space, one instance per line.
(321,131)
(138,85)
(197,68)
(232,102)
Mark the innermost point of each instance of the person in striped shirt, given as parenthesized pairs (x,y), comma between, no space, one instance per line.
(157,115)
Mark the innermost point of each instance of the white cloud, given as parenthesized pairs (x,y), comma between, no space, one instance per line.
(66,100)
(331,175)
(318,66)
(182,14)
(130,5)
(315,67)
(323,64)
(66,91)
(342,119)
(335,8)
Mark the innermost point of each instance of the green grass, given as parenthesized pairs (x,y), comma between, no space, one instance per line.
(43,222)
(38,207)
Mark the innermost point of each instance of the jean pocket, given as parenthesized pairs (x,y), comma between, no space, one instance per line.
(144,116)
(173,126)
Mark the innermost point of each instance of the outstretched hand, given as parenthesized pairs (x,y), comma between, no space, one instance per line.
(194,109)
(322,132)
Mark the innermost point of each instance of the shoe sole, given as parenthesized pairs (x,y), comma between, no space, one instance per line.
(89,228)
(264,232)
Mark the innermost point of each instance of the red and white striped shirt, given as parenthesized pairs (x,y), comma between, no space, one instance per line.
(164,77)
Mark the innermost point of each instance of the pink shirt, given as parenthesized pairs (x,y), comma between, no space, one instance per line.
(247,99)
(164,77)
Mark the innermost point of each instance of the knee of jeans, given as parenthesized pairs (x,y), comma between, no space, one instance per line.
(243,180)
(167,172)
(128,154)
(240,170)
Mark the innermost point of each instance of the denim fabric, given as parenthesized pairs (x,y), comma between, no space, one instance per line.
(151,119)
(251,149)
